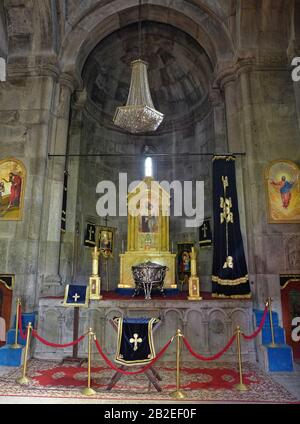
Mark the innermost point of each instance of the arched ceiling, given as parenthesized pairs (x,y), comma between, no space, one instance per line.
(180,72)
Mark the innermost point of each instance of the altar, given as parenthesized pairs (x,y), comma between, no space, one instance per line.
(148,234)
(208,324)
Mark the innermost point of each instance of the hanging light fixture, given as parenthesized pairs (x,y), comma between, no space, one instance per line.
(139,115)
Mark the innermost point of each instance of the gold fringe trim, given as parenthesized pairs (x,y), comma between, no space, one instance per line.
(205,241)
(12,282)
(236,282)
(145,361)
(228,158)
(292,280)
(236,296)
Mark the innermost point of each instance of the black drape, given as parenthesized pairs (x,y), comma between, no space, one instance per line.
(135,340)
(64,203)
(230,274)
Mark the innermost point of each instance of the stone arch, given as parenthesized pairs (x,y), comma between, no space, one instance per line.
(189,311)
(205,26)
(215,310)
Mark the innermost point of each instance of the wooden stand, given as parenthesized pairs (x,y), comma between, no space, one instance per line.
(152,375)
(74,357)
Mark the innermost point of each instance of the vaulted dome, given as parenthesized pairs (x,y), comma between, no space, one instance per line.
(179,72)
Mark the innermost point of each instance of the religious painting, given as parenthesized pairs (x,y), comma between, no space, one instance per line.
(184,261)
(12,185)
(106,241)
(149,222)
(283,192)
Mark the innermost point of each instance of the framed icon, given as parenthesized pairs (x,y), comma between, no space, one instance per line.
(106,241)
(184,261)
(12,189)
(283,192)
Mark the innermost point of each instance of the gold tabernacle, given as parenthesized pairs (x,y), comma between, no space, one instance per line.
(148,232)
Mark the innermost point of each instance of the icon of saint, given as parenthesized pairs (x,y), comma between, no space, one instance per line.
(285,188)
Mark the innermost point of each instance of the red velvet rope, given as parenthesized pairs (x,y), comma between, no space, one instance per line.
(22,334)
(141,371)
(45,342)
(262,323)
(209,358)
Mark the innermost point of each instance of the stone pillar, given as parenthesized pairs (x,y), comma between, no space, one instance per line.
(51,233)
(71,237)
(25,120)
(217,102)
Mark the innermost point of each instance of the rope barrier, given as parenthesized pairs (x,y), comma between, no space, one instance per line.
(208,358)
(159,355)
(262,323)
(61,346)
(141,371)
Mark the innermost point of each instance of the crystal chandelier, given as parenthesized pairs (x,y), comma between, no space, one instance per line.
(139,114)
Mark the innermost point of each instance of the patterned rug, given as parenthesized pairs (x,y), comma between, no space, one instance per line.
(210,382)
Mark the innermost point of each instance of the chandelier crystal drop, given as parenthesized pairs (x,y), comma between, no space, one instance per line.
(139,115)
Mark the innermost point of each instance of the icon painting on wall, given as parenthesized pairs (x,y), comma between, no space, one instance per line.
(12,185)
(283,192)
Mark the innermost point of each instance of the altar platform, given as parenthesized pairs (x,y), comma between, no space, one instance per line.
(207,324)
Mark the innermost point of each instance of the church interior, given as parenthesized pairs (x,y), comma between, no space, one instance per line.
(150,201)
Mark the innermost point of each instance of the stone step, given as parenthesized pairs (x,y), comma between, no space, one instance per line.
(280,358)
(26,319)
(259,314)
(266,335)
(10,337)
(11,357)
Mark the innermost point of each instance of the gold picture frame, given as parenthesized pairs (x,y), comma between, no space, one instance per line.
(282,180)
(8,280)
(105,239)
(12,189)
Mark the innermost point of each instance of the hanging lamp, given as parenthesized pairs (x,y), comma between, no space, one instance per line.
(139,115)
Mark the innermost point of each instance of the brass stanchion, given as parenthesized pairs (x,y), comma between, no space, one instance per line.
(241,386)
(178,394)
(88,391)
(16,345)
(25,380)
(272,344)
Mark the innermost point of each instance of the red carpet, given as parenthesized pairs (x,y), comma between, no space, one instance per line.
(211,382)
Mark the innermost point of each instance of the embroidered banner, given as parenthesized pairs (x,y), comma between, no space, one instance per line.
(230,275)
(135,340)
(76,296)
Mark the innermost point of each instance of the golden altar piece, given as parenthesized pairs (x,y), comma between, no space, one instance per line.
(95,280)
(148,233)
(194,281)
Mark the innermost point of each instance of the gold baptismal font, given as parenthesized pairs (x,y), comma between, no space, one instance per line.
(148,233)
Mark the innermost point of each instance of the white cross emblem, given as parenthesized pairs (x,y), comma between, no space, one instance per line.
(135,340)
(76,297)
